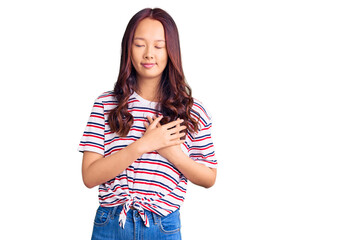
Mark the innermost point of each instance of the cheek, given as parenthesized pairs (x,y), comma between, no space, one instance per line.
(164,58)
(134,58)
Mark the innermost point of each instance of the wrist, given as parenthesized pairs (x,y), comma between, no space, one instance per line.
(173,154)
(140,146)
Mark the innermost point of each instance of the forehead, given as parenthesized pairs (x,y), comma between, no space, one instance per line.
(150,29)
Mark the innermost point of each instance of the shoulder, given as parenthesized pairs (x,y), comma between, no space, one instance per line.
(200,112)
(105,100)
(106,96)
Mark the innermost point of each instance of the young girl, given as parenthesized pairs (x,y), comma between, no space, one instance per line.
(145,139)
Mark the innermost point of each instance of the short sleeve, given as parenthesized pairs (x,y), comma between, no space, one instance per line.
(94,135)
(201,148)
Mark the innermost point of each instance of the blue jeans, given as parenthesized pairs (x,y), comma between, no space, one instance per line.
(106,225)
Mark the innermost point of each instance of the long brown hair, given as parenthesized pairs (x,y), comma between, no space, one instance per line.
(175,100)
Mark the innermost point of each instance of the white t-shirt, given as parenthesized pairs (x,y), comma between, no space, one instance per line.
(151,183)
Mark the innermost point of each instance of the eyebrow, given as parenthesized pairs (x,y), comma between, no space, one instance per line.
(140,38)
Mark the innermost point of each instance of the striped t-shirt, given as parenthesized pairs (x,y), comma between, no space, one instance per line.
(151,183)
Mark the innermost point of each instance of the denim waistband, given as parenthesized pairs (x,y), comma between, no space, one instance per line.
(132,214)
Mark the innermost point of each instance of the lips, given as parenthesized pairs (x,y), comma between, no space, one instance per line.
(148,65)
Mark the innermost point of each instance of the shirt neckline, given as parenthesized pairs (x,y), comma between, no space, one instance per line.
(142,100)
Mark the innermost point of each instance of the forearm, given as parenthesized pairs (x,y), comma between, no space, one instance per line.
(197,173)
(106,168)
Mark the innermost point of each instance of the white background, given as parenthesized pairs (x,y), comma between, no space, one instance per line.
(277,77)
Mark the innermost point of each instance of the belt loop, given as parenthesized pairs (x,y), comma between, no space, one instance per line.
(155,218)
(113,212)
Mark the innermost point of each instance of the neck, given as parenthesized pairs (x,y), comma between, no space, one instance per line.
(148,89)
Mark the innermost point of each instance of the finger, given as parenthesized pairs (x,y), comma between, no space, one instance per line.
(182,127)
(155,122)
(150,120)
(173,123)
(176,130)
(146,125)
(177,142)
(178,136)
(154,117)
(159,125)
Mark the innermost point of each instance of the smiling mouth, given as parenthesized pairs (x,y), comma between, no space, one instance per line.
(148,65)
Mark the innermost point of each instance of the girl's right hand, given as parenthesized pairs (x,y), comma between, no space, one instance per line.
(159,136)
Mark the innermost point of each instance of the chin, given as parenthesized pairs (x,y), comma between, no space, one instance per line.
(150,76)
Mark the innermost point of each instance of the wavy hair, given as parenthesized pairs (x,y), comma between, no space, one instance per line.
(175,99)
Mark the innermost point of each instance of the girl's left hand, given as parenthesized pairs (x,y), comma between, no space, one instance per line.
(171,150)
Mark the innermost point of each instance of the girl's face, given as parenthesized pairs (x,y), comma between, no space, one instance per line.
(149,54)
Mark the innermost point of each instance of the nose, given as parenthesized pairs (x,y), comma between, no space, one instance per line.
(148,53)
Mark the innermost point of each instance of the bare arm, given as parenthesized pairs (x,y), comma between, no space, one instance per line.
(97,169)
(197,173)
